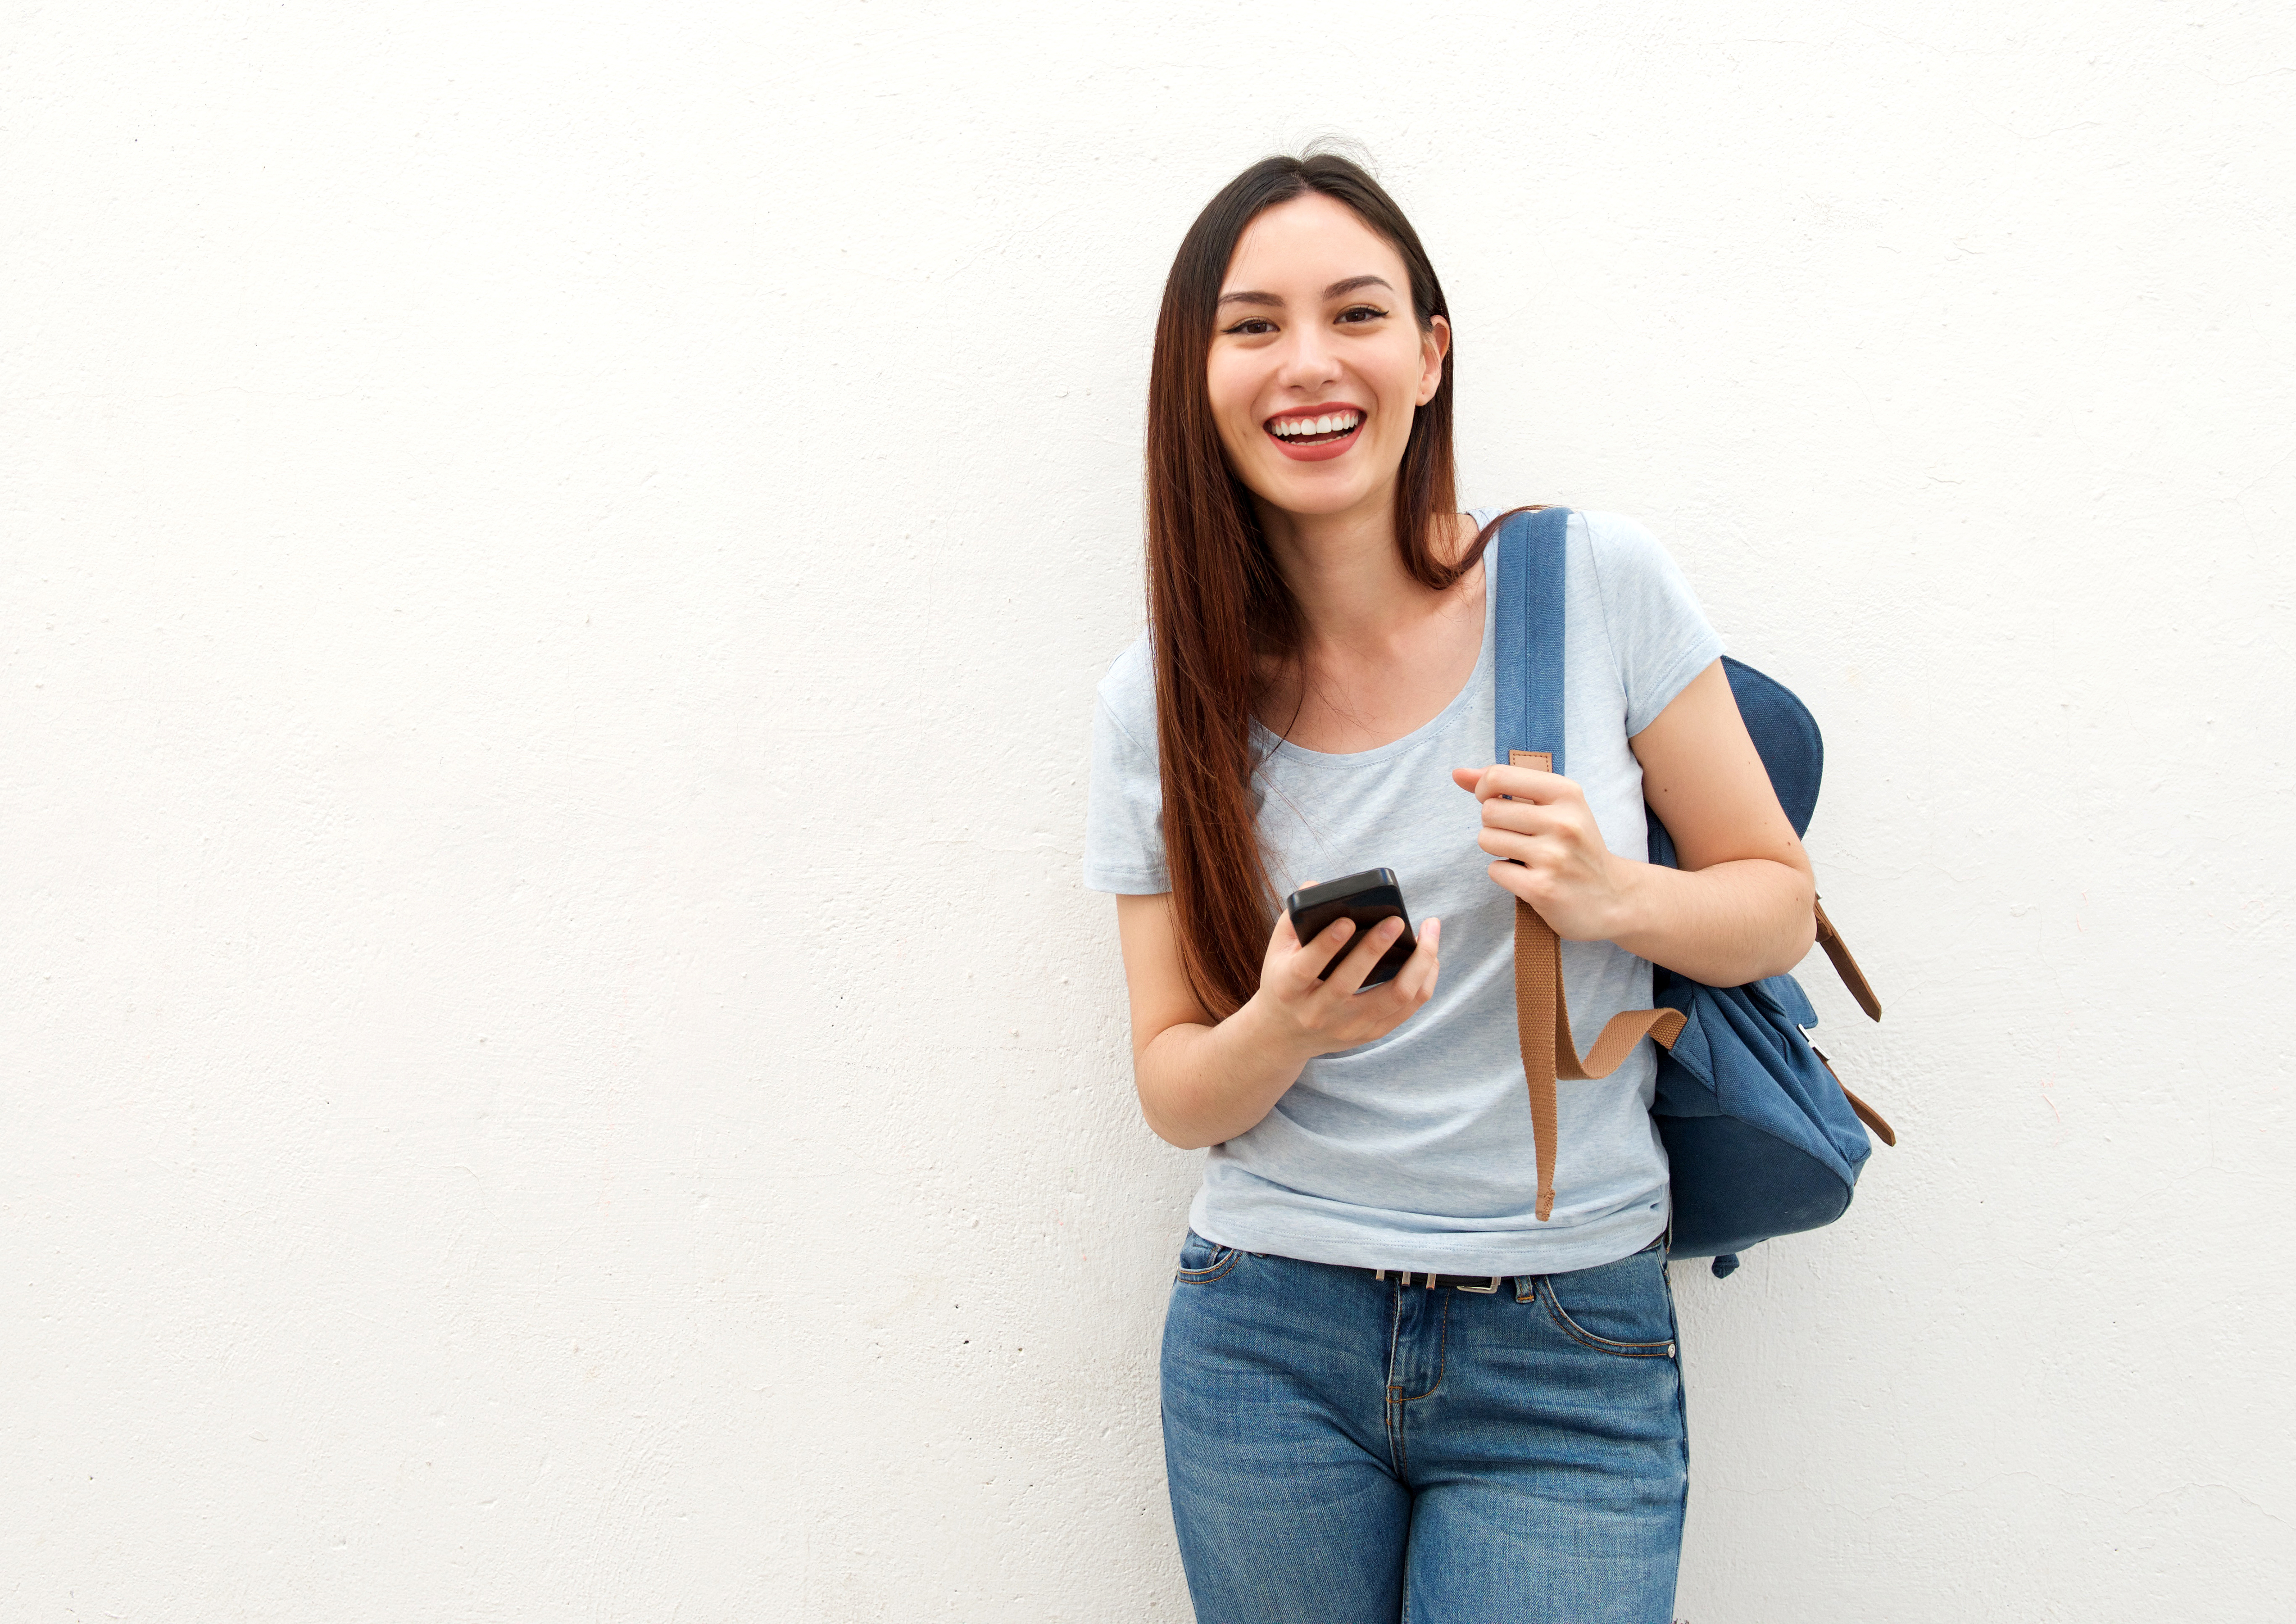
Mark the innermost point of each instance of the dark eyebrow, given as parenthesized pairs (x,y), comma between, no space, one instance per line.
(1338,289)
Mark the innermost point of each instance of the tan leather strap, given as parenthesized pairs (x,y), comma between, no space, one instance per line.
(1846,967)
(1854,978)
(1867,1114)
(1542,1018)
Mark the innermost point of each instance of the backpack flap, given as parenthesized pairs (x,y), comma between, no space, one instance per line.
(1761,1140)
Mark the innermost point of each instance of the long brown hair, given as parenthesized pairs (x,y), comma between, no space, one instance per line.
(1217,607)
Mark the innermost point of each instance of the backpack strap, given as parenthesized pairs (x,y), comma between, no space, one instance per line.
(1853,978)
(1530,551)
(1530,580)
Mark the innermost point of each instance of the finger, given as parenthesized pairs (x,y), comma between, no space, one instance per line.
(1468,778)
(1508,845)
(1363,957)
(1516,880)
(1287,935)
(1327,946)
(1522,783)
(1523,817)
(1417,984)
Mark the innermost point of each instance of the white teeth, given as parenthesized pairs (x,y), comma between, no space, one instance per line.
(1333,423)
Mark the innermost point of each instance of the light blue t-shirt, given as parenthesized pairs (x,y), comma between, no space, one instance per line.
(1415,1152)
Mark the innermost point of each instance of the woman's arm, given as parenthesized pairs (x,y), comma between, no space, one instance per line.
(1738,909)
(1203,1082)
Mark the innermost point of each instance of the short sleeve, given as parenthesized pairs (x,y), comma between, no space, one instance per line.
(1659,634)
(1123,823)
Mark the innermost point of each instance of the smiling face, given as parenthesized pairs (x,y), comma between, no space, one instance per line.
(1318,364)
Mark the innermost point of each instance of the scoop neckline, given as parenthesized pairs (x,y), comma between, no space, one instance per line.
(1275,745)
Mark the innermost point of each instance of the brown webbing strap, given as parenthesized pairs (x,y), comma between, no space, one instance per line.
(1846,967)
(1542,1018)
(1854,978)
(1867,1114)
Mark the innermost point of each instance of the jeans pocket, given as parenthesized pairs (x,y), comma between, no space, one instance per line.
(1623,1309)
(1203,1261)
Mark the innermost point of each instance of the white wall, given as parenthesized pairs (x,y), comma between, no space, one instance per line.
(556,1065)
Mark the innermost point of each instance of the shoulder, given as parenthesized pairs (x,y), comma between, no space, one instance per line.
(1632,574)
(1623,547)
(1127,695)
(1621,551)
(1659,636)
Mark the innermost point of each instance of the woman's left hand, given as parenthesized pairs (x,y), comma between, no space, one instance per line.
(1551,851)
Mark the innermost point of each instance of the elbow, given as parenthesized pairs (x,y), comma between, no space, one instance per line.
(1171,1128)
(1800,939)
(1174,1134)
(1798,931)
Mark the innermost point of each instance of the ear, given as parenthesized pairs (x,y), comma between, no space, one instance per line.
(1434,344)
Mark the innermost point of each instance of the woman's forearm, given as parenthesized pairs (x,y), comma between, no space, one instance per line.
(1724,925)
(1203,1084)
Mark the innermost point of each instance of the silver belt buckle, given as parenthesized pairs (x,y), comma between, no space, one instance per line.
(1481,1291)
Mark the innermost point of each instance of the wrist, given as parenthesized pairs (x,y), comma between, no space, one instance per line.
(1267,1034)
(1631,900)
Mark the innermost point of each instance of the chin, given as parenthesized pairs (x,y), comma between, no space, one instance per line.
(1313,498)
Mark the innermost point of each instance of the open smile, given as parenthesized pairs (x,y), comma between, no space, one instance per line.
(1314,434)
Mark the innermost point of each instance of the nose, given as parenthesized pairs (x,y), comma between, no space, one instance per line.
(1310,361)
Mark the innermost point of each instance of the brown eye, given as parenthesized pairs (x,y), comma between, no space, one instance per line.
(1361,313)
(1251,326)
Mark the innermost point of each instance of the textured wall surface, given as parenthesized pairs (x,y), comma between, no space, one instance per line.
(554,1062)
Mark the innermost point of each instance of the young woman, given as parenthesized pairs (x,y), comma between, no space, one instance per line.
(1390,1392)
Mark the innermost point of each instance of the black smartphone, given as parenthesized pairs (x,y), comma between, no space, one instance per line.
(1367,898)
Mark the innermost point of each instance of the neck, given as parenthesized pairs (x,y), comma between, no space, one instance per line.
(1346,572)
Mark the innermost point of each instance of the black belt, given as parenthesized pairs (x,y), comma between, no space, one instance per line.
(1483,1283)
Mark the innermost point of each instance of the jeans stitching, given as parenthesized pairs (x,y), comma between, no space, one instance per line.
(1442,1351)
(1658,1349)
(1210,1271)
(1395,1447)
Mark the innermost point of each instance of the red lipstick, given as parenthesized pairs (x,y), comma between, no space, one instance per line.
(1317,447)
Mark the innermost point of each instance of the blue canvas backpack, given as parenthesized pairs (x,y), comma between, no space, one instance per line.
(1762,1139)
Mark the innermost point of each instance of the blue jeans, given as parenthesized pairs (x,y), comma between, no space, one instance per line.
(1342,1450)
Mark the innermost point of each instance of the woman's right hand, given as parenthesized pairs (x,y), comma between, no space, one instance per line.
(1309,1016)
(1203,1082)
